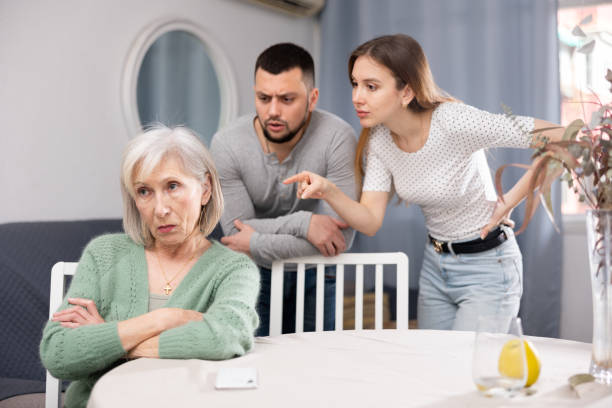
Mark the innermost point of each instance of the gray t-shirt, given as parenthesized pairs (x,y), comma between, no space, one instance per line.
(253,191)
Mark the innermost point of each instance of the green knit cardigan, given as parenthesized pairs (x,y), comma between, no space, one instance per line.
(222,284)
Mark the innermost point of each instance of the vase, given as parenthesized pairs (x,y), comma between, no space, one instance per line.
(599,240)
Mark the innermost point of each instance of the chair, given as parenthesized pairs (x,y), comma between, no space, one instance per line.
(359,260)
(58,273)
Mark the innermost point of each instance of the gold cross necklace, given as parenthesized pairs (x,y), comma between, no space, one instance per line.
(168,288)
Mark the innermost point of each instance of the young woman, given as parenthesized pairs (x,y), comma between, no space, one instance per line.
(428,148)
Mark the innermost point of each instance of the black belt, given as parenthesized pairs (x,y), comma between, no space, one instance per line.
(495,238)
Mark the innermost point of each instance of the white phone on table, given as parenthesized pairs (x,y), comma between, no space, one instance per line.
(236,378)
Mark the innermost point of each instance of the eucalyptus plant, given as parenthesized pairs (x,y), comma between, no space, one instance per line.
(582,159)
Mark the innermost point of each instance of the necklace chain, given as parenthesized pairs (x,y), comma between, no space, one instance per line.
(167,287)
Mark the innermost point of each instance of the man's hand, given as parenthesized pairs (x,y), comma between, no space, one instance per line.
(325,233)
(241,241)
(501,215)
(83,313)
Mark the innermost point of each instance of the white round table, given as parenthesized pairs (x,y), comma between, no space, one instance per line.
(382,368)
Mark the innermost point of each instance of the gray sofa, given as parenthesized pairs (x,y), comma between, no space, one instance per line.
(28,250)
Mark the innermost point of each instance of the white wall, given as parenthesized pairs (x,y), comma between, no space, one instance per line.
(61,64)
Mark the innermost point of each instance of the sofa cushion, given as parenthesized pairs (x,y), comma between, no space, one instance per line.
(28,250)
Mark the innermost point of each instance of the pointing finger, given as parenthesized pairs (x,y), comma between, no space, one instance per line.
(303,177)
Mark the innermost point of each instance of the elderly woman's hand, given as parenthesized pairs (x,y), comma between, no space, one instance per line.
(83,313)
(141,341)
(175,317)
(148,348)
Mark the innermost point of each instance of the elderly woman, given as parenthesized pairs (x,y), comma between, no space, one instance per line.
(162,290)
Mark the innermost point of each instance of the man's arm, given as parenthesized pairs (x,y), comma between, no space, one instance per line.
(299,233)
(327,232)
(324,233)
(340,172)
(266,248)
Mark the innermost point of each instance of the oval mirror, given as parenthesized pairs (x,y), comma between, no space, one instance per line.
(177,76)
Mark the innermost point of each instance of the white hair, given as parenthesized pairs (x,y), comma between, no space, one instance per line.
(143,153)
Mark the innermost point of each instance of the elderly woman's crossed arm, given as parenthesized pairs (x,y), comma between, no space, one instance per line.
(81,340)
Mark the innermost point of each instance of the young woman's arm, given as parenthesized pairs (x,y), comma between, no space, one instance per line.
(520,190)
(365,216)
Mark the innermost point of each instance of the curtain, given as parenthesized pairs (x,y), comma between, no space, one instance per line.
(485,53)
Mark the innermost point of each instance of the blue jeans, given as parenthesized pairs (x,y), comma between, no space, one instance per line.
(289,292)
(455,289)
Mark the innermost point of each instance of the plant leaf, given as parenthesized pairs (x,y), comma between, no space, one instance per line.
(596,119)
(586,20)
(547,204)
(563,155)
(572,129)
(555,170)
(575,150)
(587,48)
(589,168)
(577,31)
(531,205)
(498,177)
(540,130)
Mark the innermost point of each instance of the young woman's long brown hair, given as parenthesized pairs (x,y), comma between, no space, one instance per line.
(405,58)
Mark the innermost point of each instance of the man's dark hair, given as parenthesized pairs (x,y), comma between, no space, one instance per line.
(284,57)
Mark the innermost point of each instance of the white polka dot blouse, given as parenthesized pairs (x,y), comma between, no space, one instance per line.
(449,177)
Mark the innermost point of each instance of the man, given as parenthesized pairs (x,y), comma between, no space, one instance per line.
(263,217)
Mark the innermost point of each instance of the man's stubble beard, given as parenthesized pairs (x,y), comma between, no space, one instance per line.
(289,136)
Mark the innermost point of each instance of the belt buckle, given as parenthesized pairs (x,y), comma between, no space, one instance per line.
(437,245)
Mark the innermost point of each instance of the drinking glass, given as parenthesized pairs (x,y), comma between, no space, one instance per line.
(499,366)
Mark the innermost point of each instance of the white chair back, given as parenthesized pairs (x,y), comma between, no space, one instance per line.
(359,260)
(58,273)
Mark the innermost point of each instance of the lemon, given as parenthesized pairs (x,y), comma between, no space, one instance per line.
(510,361)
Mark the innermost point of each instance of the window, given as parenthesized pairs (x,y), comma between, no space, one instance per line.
(582,74)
